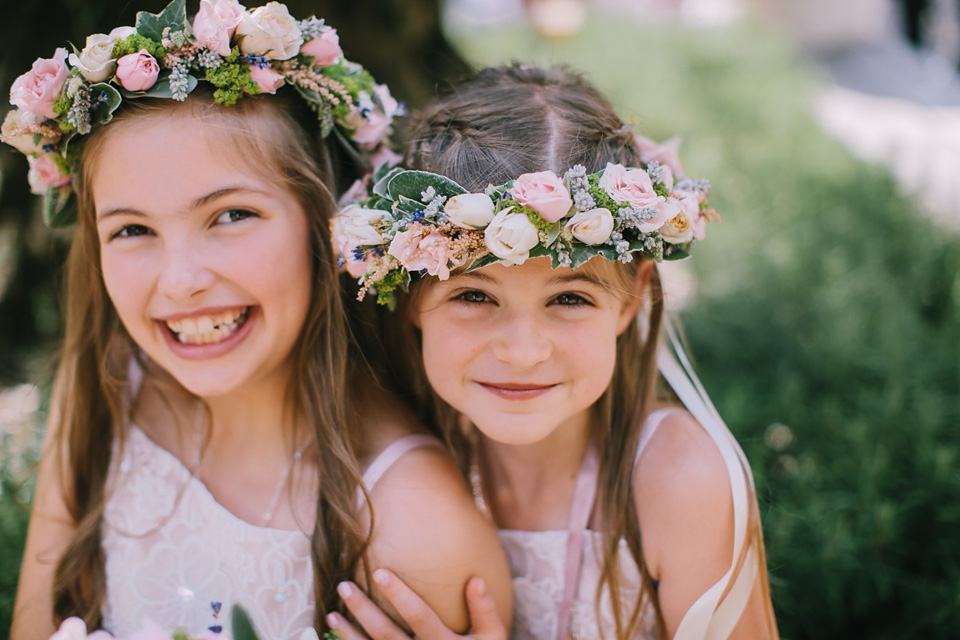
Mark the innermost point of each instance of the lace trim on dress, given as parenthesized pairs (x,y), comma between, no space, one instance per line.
(171,549)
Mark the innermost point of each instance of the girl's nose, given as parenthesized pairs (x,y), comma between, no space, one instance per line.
(522,342)
(183,273)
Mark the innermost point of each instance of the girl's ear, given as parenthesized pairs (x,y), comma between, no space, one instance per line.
(632,304)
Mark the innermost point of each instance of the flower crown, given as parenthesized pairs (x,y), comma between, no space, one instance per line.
(425,223)
(238,51)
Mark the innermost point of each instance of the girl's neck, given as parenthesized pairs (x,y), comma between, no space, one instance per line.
(530,486)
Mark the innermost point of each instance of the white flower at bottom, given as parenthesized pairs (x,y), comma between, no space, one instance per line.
(510,236)
(591,227)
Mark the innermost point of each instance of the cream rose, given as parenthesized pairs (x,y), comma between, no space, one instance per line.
(270,31)
(16,131)
(510,236)
(677,230)
(591,227)
(96,62)
(355,226)
(470,210)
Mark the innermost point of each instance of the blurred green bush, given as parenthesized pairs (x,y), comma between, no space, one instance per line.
(826,324)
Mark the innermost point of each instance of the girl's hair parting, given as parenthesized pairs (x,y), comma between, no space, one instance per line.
(92,388)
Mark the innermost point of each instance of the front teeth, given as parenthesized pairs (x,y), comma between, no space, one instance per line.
(208,329)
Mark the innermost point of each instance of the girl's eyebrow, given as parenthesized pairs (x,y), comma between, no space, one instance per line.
(199,202)
(576,276)
(472,274)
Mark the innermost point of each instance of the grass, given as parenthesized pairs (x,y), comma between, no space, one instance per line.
(827,312)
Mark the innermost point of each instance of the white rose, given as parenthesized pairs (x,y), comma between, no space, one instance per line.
(270,31)
(470,210)
(591,227)
(96,62)
(510,236)
(354,227)
(16,131)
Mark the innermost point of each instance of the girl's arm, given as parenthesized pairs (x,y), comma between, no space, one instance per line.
(485,622)
(427,530)
(50,531)
(684,503)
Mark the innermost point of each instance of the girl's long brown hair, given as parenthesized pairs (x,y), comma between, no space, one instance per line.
(270,135)
(490,128)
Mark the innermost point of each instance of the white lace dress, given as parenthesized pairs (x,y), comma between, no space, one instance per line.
(537,565)
(171,550)
(538,562)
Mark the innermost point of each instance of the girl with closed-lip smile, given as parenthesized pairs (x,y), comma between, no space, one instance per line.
(518,258)
(212,449)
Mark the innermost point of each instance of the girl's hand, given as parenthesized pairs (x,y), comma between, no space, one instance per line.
(485,623)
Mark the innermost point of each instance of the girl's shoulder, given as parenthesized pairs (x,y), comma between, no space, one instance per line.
(683,494)
(427,528)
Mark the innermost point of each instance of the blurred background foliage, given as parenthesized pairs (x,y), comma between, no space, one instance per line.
(824,317)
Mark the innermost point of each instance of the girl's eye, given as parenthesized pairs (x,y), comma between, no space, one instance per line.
(472,296)
(234,215)
(570,300)
(131,231)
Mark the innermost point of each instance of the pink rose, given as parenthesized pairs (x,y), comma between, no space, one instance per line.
(404,244)
(416,252)
(137,71)
(635,187)
(215,24)
(325,49)
(36,90)
(45,173)
(370,122)
(665,154)
(432,254)
(385,154)
(268,79)
(544,193)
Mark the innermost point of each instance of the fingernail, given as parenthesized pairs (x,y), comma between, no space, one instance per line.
(381,577)
(481,587)
(344,589)
(333,620)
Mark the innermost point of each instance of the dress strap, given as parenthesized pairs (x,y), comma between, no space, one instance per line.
(716,611)
(391,453)
(650,426)
(580,511)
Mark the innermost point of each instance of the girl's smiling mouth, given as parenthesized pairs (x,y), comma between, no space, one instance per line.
(517,391)
(208,329)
